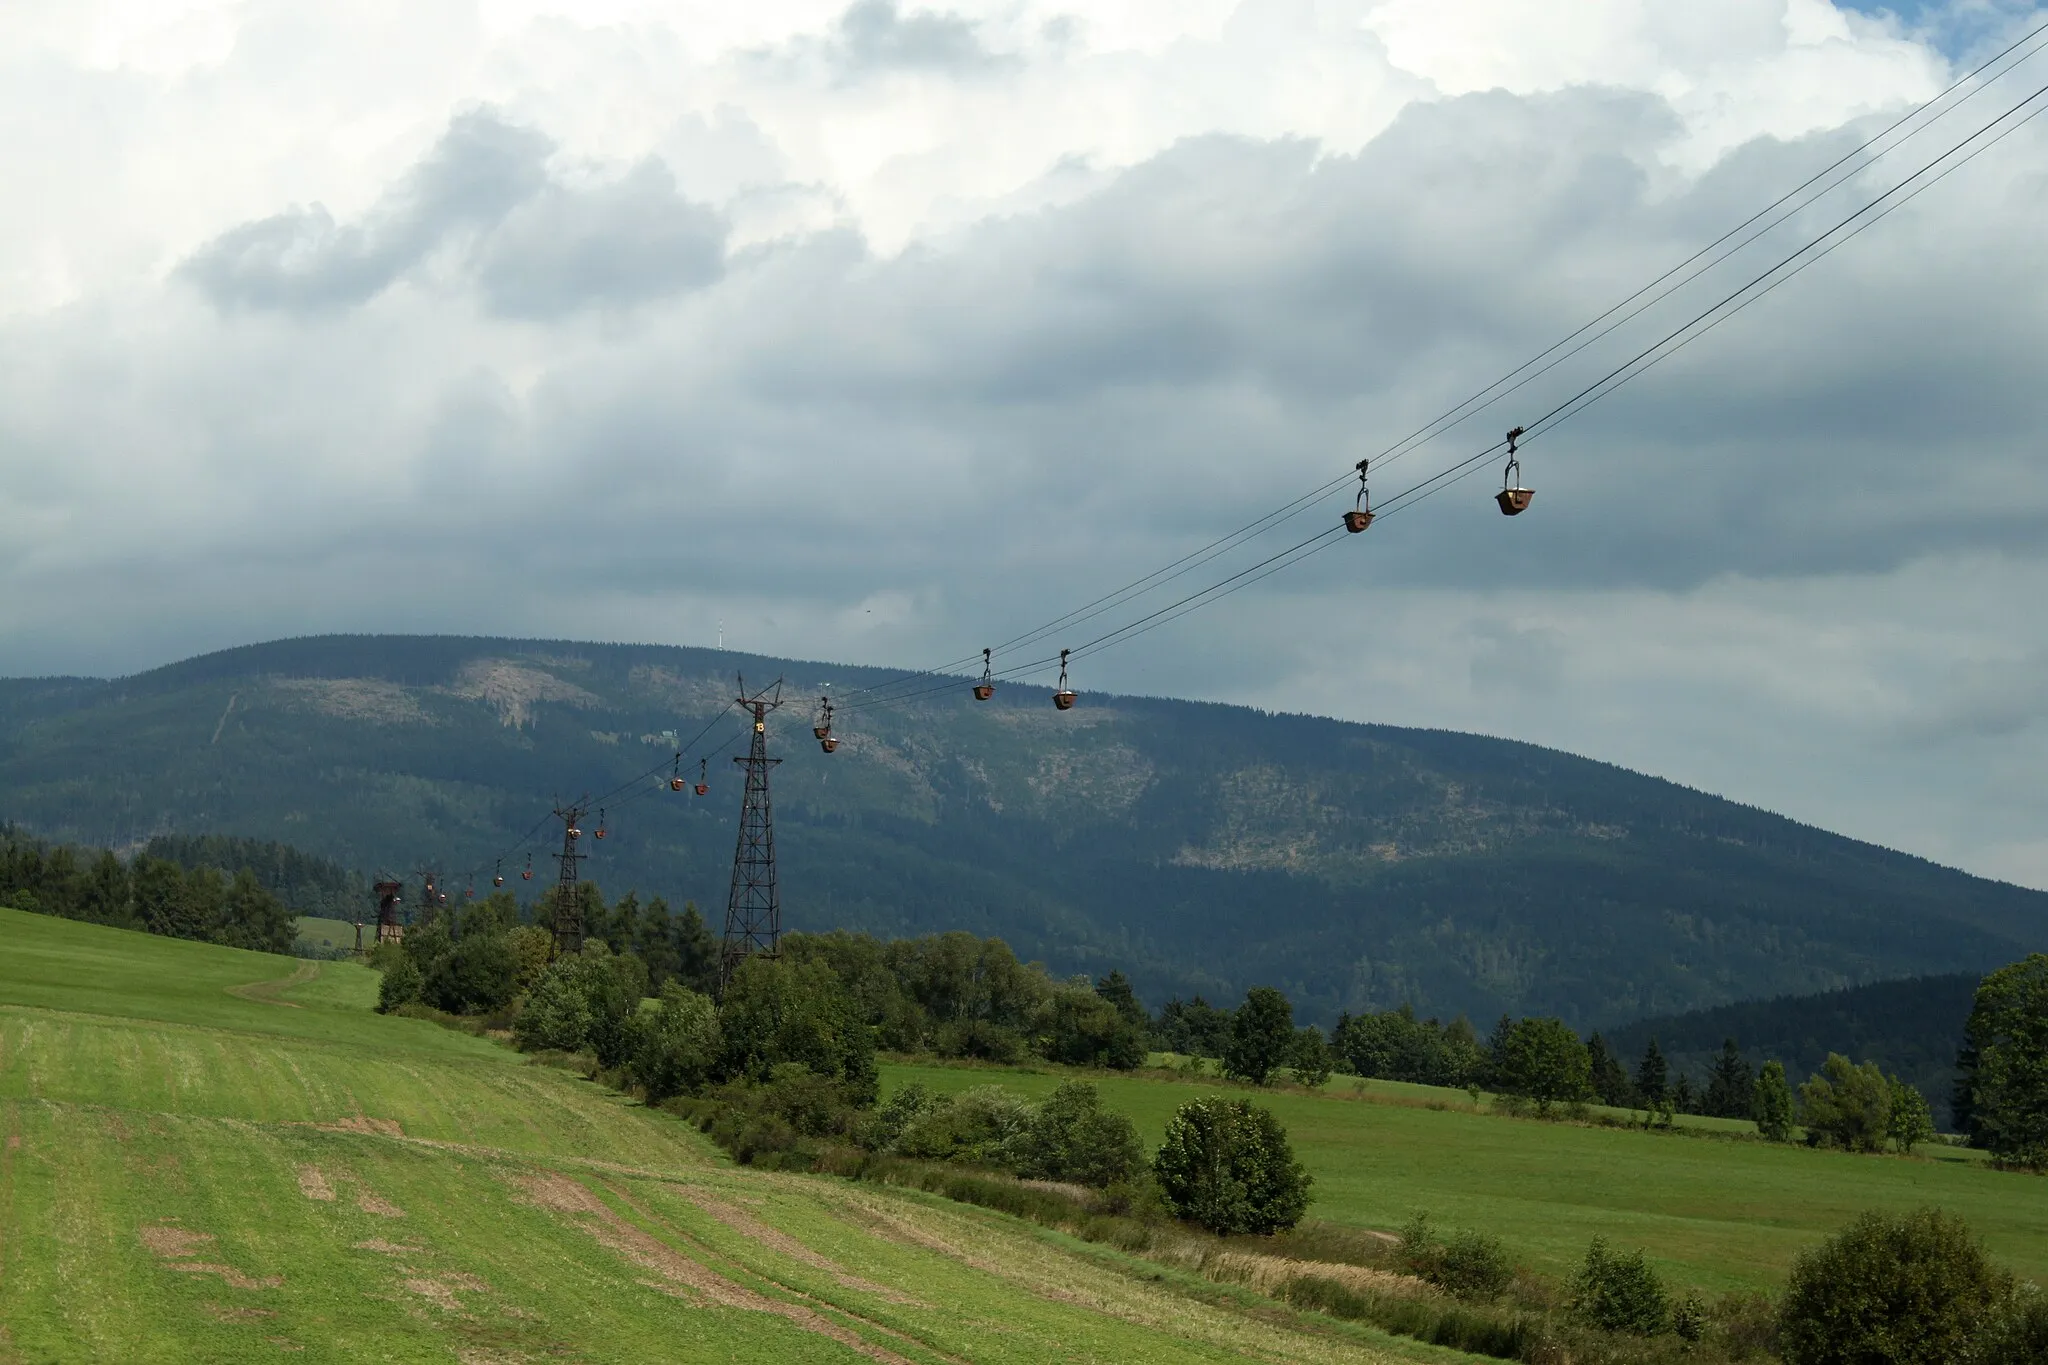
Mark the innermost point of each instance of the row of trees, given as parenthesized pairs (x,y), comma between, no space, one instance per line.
(149,893)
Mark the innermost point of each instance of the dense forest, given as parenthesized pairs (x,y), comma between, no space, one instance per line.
(149,893)
(1199,848)
(1913,1027)
(308,885)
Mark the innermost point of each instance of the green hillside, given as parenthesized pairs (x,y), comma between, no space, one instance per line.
(1202,848)
(215,1155)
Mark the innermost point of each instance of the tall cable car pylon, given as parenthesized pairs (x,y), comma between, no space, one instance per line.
(753,910)
(568,902)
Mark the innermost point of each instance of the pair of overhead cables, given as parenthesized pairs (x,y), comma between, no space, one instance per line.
(1662,286)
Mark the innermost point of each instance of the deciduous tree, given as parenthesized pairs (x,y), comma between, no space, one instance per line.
(1261,1035)
(1227,1165)
(2005,1064)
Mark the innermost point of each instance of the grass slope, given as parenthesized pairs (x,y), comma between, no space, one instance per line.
(1718,1215)
(211,1155)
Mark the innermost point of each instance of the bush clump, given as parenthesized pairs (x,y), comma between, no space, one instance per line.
(1072,1137)
(1906,1289)
(1619,1293)
(1227,1165)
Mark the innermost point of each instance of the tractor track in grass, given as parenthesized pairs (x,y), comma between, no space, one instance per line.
(268,992)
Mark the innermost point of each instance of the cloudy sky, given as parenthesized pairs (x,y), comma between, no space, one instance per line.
(881,333)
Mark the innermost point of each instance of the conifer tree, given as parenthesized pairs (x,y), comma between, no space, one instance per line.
(1609,1077)
(1731,1084)
(1652,1076)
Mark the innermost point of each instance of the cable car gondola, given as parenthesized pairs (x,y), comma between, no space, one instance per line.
(675,774)
(986,688)
(498,873)
(1360,516)
(703,781)
(1064,698)
(600,823)
(823,729)
(1513,498)
(527,875)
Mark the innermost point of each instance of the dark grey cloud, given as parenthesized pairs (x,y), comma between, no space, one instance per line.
(617,244)
(536,247)
(876,35)
(302,260)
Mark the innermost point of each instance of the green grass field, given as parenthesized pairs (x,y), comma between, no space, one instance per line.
(329,933)
(218,1156)
(1716,1214)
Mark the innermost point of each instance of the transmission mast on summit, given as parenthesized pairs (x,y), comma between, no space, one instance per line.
(753,912)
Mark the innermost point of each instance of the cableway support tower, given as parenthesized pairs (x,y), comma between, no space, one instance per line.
(568,901)
(753,911)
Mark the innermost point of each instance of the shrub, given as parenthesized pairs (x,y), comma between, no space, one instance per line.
(1310,1058)
(1771,1103)
(1689,1316)
(1071,1137)
(2018,1333)
(1474,1267)
(1083,1029)
(795,1011)
(1906,1289)
(1469,1265)
(1227,1165)
(1910,1122)
(1620,1293)
(898,1112)
(583,1002)
(678,1046)
(981,1039)
(981,1126)
(400,986)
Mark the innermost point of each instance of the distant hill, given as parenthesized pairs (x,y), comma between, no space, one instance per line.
(1200,847)
(1911,1028)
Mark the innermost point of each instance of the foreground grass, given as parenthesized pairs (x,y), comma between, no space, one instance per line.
(208,1155)
(1714,1214)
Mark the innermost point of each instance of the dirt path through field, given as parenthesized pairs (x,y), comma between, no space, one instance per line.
(267,992)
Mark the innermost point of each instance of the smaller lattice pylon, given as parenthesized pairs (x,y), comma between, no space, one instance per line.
(568,900)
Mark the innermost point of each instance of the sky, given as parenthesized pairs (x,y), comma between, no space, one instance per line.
(881,333)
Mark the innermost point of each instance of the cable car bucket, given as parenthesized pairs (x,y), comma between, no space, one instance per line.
(986,688)
(1360,516)
(1064,698)
(823,729)
(703,779)
(1513,498)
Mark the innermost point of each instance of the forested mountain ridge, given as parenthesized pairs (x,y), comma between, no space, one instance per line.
(1200,847)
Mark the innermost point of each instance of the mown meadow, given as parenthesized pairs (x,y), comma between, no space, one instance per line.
(208,1154)
(1714,1210)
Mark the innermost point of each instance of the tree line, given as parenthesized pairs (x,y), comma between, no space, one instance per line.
(146,892)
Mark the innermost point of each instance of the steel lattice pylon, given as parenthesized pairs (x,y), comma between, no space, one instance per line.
(753,912)
(568,904)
